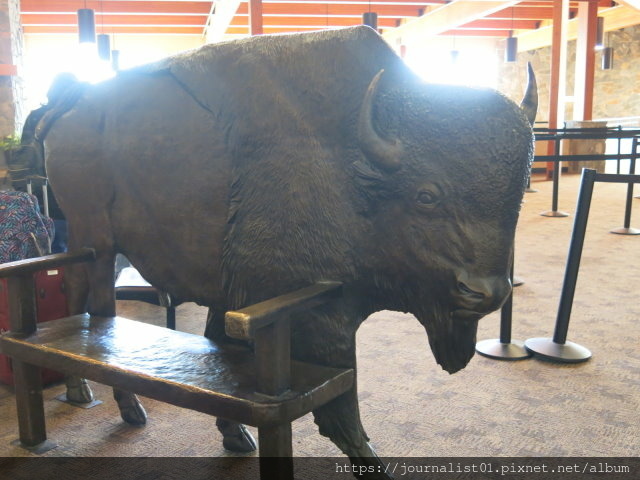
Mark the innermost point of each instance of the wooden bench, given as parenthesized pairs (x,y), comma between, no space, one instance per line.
(262,387)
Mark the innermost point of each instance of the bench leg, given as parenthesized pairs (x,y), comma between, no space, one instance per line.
(171,317)
(276,462)
(28,385)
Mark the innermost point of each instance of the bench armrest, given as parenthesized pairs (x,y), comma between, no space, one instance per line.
(32,265)
(243,324)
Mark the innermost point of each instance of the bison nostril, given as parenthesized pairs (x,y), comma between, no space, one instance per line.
(465,290)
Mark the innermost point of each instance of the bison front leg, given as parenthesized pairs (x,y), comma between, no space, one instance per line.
(235,436)
(330,339)
(339,420)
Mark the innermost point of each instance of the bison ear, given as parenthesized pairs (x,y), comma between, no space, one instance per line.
(529,103)
(383,153)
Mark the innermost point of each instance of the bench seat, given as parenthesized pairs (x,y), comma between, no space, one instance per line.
(183,369)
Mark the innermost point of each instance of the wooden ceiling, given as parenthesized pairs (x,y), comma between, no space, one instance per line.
(194,17)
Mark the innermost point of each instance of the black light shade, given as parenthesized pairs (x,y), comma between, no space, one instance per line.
(104,46)
(370,19)
(86,25)
(607,58)
(600,33)
(511,53)
(115,60)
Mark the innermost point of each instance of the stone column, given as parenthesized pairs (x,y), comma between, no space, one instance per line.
(11,87)
(585,147)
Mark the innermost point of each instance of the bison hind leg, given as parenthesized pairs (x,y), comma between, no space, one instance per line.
(339,420)
(78,390)
(131,410)
(236,437)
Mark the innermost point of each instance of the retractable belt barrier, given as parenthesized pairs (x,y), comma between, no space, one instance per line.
(557,348)
(558,135)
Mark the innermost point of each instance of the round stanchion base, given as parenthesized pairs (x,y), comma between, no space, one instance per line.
(530,190)
(495,349)
(626,231)
(517,281)
(547,349)
(554,213)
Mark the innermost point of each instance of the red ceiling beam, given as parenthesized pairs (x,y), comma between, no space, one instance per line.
(317,22)
(324,10)
(572,4)
(501,25)
(116,6)
(524,13)
(268,29)
(157,29)
(477,33)
(72,19)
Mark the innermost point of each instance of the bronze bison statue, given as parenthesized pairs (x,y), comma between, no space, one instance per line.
(244,170)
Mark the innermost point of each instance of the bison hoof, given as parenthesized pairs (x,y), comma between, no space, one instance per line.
(131,410)
(78,390)
(370,467)
(134,414)
(243,442)
(236,437)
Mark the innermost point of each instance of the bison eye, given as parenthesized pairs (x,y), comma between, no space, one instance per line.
(427,198)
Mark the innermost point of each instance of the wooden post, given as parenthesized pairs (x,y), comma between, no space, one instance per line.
(273,363)
(27,378)
(255,17)
(585,60)
(558,70)
(273,357)
(276,453)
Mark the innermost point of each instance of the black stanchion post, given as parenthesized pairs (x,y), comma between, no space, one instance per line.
(634,152)
(619,150)
(627,229)
(556,183)
(504,348)
(557,348)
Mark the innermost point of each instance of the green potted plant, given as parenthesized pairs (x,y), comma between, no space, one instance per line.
(7,143)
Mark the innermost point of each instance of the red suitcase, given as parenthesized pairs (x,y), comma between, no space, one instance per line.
(51,303)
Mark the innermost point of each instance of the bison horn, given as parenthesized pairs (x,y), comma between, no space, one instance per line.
(382,152)
(530,101)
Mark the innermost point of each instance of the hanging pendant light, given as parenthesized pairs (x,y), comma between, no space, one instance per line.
(370,19)
(454,52)
(86,25)
(511,52)
(104,42)
(115,60)
(607,58)
(600,34)
(104,46)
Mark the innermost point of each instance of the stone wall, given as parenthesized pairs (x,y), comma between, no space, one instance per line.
(17,51)
(11,86)
(617,91)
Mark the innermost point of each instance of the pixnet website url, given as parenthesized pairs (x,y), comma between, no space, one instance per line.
(403,468)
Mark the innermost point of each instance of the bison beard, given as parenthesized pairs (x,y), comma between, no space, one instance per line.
(452,339)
